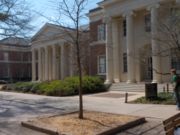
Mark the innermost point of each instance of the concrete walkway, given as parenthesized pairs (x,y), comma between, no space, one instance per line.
(16,107)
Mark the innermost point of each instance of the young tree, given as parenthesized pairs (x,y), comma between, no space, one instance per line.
(15,17)
(74,12)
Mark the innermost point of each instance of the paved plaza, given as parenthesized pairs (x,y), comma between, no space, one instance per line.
(17,107)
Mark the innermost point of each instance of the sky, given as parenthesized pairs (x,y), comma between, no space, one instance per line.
(47,8)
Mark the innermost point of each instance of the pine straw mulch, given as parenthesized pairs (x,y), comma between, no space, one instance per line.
(92,124)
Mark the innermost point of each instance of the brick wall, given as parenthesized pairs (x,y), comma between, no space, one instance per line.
(95,49)
(18,66)
(94,29)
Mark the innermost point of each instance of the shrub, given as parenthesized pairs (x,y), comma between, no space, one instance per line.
(163,98)
(23,86)
(67,87)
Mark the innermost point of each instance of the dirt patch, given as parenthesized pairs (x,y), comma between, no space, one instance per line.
(94,123)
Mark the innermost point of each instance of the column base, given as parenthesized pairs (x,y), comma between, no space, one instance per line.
(130,81)
(156,81)
(108,82)
(117,80)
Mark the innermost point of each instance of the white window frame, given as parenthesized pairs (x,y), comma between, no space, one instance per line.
(147,21)
(98,60)
(101,33)
(125,64)
(6,56)
(176,62)
(124,28)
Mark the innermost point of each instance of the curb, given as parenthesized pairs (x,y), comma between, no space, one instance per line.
(107,132)
(123,127)
(39,128)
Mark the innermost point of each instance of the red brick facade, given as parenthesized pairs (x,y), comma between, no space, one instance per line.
(15,59)
(96,48)
(17,67)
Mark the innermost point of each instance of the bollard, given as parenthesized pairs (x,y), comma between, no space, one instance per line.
(167,87)
(126,97)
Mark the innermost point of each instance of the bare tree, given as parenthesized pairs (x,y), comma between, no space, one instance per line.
(15,17)
(168,34)
(73,11)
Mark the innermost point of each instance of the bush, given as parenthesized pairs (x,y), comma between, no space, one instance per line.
(163,98)
(23,86)
(67,87)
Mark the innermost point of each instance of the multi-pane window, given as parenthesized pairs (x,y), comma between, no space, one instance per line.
(147,20)
(124,62)
(6,56)
(101,32)
(124,28)
(101,64)
(175,11)
(175,63)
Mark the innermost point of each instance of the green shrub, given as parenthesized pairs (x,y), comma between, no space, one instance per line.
(163,98)
(67,87)
(23,86)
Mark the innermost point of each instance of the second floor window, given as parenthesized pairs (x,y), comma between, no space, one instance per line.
(147,20)
(101,32)
(124,28)
(6,56)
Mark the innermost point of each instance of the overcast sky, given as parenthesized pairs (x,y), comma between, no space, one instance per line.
(46,7)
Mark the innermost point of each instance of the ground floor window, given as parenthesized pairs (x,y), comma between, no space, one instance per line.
(102,65)
(125,62)
(175,63)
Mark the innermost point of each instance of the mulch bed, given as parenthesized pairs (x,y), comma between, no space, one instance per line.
(94,123)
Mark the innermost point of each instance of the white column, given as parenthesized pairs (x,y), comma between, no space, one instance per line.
(50,63)
(130,47)
(46,63)
(62,62)
(155,47)
(33,65)
(71,60)
(116,57)
(54,64)
(109,51)
(39,65)
(43,64)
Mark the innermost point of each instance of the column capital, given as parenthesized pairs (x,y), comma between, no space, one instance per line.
(128,13)
(152,6)
(107,19)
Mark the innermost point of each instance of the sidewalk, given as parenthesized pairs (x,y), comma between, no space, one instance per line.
(154,114)
(23,106)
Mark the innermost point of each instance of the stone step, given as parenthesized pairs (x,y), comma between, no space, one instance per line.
(135,87)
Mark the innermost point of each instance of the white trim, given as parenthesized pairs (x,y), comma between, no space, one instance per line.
(98,42)
(98,65)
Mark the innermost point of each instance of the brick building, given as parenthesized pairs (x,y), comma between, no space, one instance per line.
(124,44)
(15,59)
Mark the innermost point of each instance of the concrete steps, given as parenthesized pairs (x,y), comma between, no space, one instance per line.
(136,87)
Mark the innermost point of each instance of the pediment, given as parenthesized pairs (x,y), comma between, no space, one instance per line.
(47,31)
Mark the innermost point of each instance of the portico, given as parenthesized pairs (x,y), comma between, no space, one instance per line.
(51,58)
(131,38)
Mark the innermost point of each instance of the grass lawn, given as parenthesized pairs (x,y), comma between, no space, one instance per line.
(163,98)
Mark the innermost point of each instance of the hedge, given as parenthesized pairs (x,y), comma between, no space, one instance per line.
(66,87)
